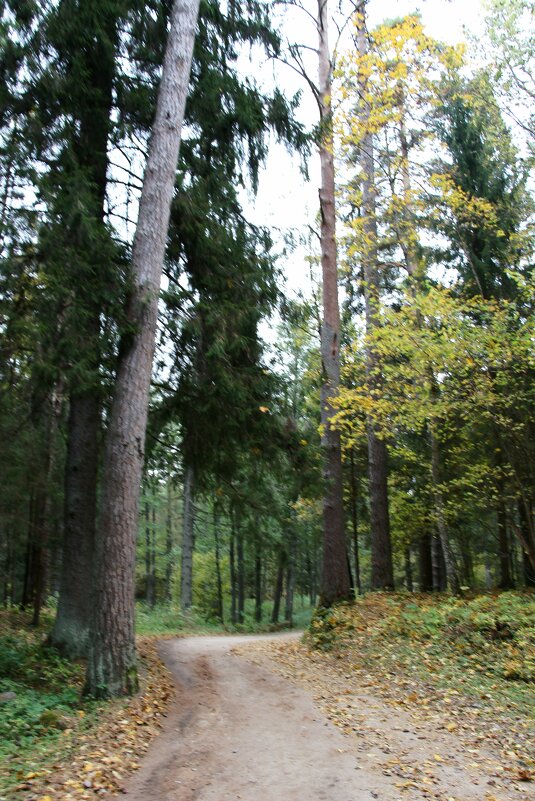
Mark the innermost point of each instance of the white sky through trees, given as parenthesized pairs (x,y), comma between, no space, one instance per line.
(285,201)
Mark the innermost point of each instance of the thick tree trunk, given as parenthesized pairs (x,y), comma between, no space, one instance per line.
(241,571)
(45,414)
(290,589)
(153,549)
(354,523)
(233,575)
(71,628)
(70,633)
(504,547)
(8,591)
(425,565)
(437,560)
(467,563)
(527,541)
(149,551)
(241,575)
(188,542)
(112,659)
(258,577)
(408,570)
(382,577)
(335,579)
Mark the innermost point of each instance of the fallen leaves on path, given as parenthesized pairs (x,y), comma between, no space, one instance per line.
(407,714)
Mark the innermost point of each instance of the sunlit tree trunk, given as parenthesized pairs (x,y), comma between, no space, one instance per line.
(111,668)
(335,579)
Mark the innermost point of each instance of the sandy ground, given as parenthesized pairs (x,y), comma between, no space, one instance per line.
(240,731)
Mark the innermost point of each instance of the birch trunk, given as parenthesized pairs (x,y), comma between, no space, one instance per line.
(111,668)
(335,581)
(452,576)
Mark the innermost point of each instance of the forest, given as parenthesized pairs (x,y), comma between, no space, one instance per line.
(188,445)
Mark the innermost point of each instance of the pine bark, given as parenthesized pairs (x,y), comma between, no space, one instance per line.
(290,589)
(425,565)
(335,577)
(504,547)
(258,575)
(111,666)
(219,610)
(526,535)
(241,575)
(233,575)
(354,522)
(382,574)
(70,633)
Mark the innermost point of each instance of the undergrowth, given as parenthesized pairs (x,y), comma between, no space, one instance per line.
(42,688)
(485,643)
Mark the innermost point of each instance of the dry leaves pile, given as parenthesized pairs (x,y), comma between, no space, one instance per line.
(95,760)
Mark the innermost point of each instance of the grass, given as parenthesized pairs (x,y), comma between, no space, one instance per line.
(168,620)
(44,702)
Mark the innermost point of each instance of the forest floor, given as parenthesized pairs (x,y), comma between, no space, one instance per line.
(399,698)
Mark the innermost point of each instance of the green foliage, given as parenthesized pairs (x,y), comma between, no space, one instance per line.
(480,641)
(46,687)
(494,634)
(33,715)
(159,620)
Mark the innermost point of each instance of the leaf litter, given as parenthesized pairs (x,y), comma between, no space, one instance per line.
(440,719)
(435,725)
(93,759)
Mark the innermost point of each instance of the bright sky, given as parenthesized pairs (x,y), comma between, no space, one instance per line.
(284,200)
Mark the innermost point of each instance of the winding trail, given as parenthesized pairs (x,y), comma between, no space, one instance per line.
(240,732)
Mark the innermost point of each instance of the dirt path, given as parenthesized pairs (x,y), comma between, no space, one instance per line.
(239,731)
